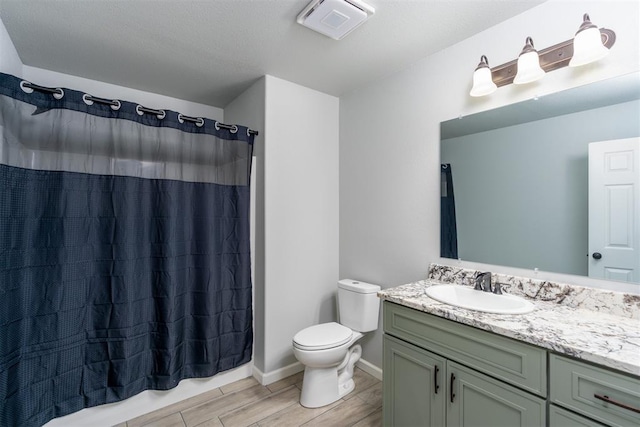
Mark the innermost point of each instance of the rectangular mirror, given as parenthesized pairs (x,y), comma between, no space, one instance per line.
(515,183)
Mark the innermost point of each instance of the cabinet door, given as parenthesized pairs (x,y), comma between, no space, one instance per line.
(474,399)
(413,385)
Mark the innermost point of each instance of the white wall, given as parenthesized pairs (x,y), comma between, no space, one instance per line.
(301,215)
(389,139)
(10,62)
(249,110)
(296,233)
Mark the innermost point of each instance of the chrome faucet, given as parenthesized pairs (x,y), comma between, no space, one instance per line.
(483,283)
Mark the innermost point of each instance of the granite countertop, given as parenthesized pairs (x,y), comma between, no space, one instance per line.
(558,323)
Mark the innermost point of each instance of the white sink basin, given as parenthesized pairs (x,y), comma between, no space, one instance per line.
(466,297)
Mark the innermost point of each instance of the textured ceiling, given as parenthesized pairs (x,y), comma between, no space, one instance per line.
(211,51)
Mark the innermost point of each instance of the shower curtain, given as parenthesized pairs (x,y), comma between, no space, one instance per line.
(124,251)
(448,230)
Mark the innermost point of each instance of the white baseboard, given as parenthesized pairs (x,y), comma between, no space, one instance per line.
(273,376)
(149,401)
(266,378)
(370,368)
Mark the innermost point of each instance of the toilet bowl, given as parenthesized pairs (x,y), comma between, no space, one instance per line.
(329,351)
(329,363)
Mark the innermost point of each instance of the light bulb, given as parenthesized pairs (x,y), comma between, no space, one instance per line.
(482,79)
(587,44)
(529,69)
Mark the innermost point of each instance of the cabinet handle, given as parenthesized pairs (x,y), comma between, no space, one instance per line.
(435,379)
(451,393)
(613,402)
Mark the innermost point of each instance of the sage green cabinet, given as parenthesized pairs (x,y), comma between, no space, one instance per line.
(425,389)
(413,385)
(439,372)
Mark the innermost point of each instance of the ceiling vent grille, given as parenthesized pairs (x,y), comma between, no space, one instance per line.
(335,18)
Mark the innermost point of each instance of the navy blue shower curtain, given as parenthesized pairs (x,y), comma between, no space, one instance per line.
(124,251)
(448,229)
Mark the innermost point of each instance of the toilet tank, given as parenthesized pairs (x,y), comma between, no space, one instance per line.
(358,305)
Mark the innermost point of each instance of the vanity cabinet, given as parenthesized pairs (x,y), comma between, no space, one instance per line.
(441,373)
(435,374)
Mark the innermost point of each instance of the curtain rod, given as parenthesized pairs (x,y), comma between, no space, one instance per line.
(88,99)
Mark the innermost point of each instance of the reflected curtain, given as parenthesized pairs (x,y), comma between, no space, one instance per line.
(448,232)
(124,251)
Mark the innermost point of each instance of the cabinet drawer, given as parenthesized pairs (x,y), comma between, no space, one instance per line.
(559,417)
(575,386)
(511,361)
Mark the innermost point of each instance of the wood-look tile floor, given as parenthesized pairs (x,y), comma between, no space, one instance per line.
(246,403)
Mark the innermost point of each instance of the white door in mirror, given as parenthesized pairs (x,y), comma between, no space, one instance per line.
(614,210)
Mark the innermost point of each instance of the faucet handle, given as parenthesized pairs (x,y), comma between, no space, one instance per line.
(483,282)
(497,289)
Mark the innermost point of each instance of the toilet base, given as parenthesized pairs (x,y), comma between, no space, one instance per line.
(323,386)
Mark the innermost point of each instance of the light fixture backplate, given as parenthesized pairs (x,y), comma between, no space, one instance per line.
(551,58)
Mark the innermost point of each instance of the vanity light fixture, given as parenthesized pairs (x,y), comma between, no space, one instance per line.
(528,65)
(482,82)
(526,69)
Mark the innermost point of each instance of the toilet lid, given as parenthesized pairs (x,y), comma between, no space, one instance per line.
(325,335)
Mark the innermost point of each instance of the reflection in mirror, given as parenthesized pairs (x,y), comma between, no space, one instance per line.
(521,177)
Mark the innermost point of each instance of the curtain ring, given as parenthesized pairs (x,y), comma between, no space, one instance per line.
(160,114)
(117,106)
(234,129)
(86,99)
(58,95)
(180,119)
(200,122)
(444,166)
(24,88)
(216,125)
(248,133)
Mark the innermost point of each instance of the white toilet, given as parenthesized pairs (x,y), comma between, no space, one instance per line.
(325,350)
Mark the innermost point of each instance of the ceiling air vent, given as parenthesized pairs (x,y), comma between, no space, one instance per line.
(335,18)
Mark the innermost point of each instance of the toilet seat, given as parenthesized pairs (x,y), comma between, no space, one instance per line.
(323,336)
